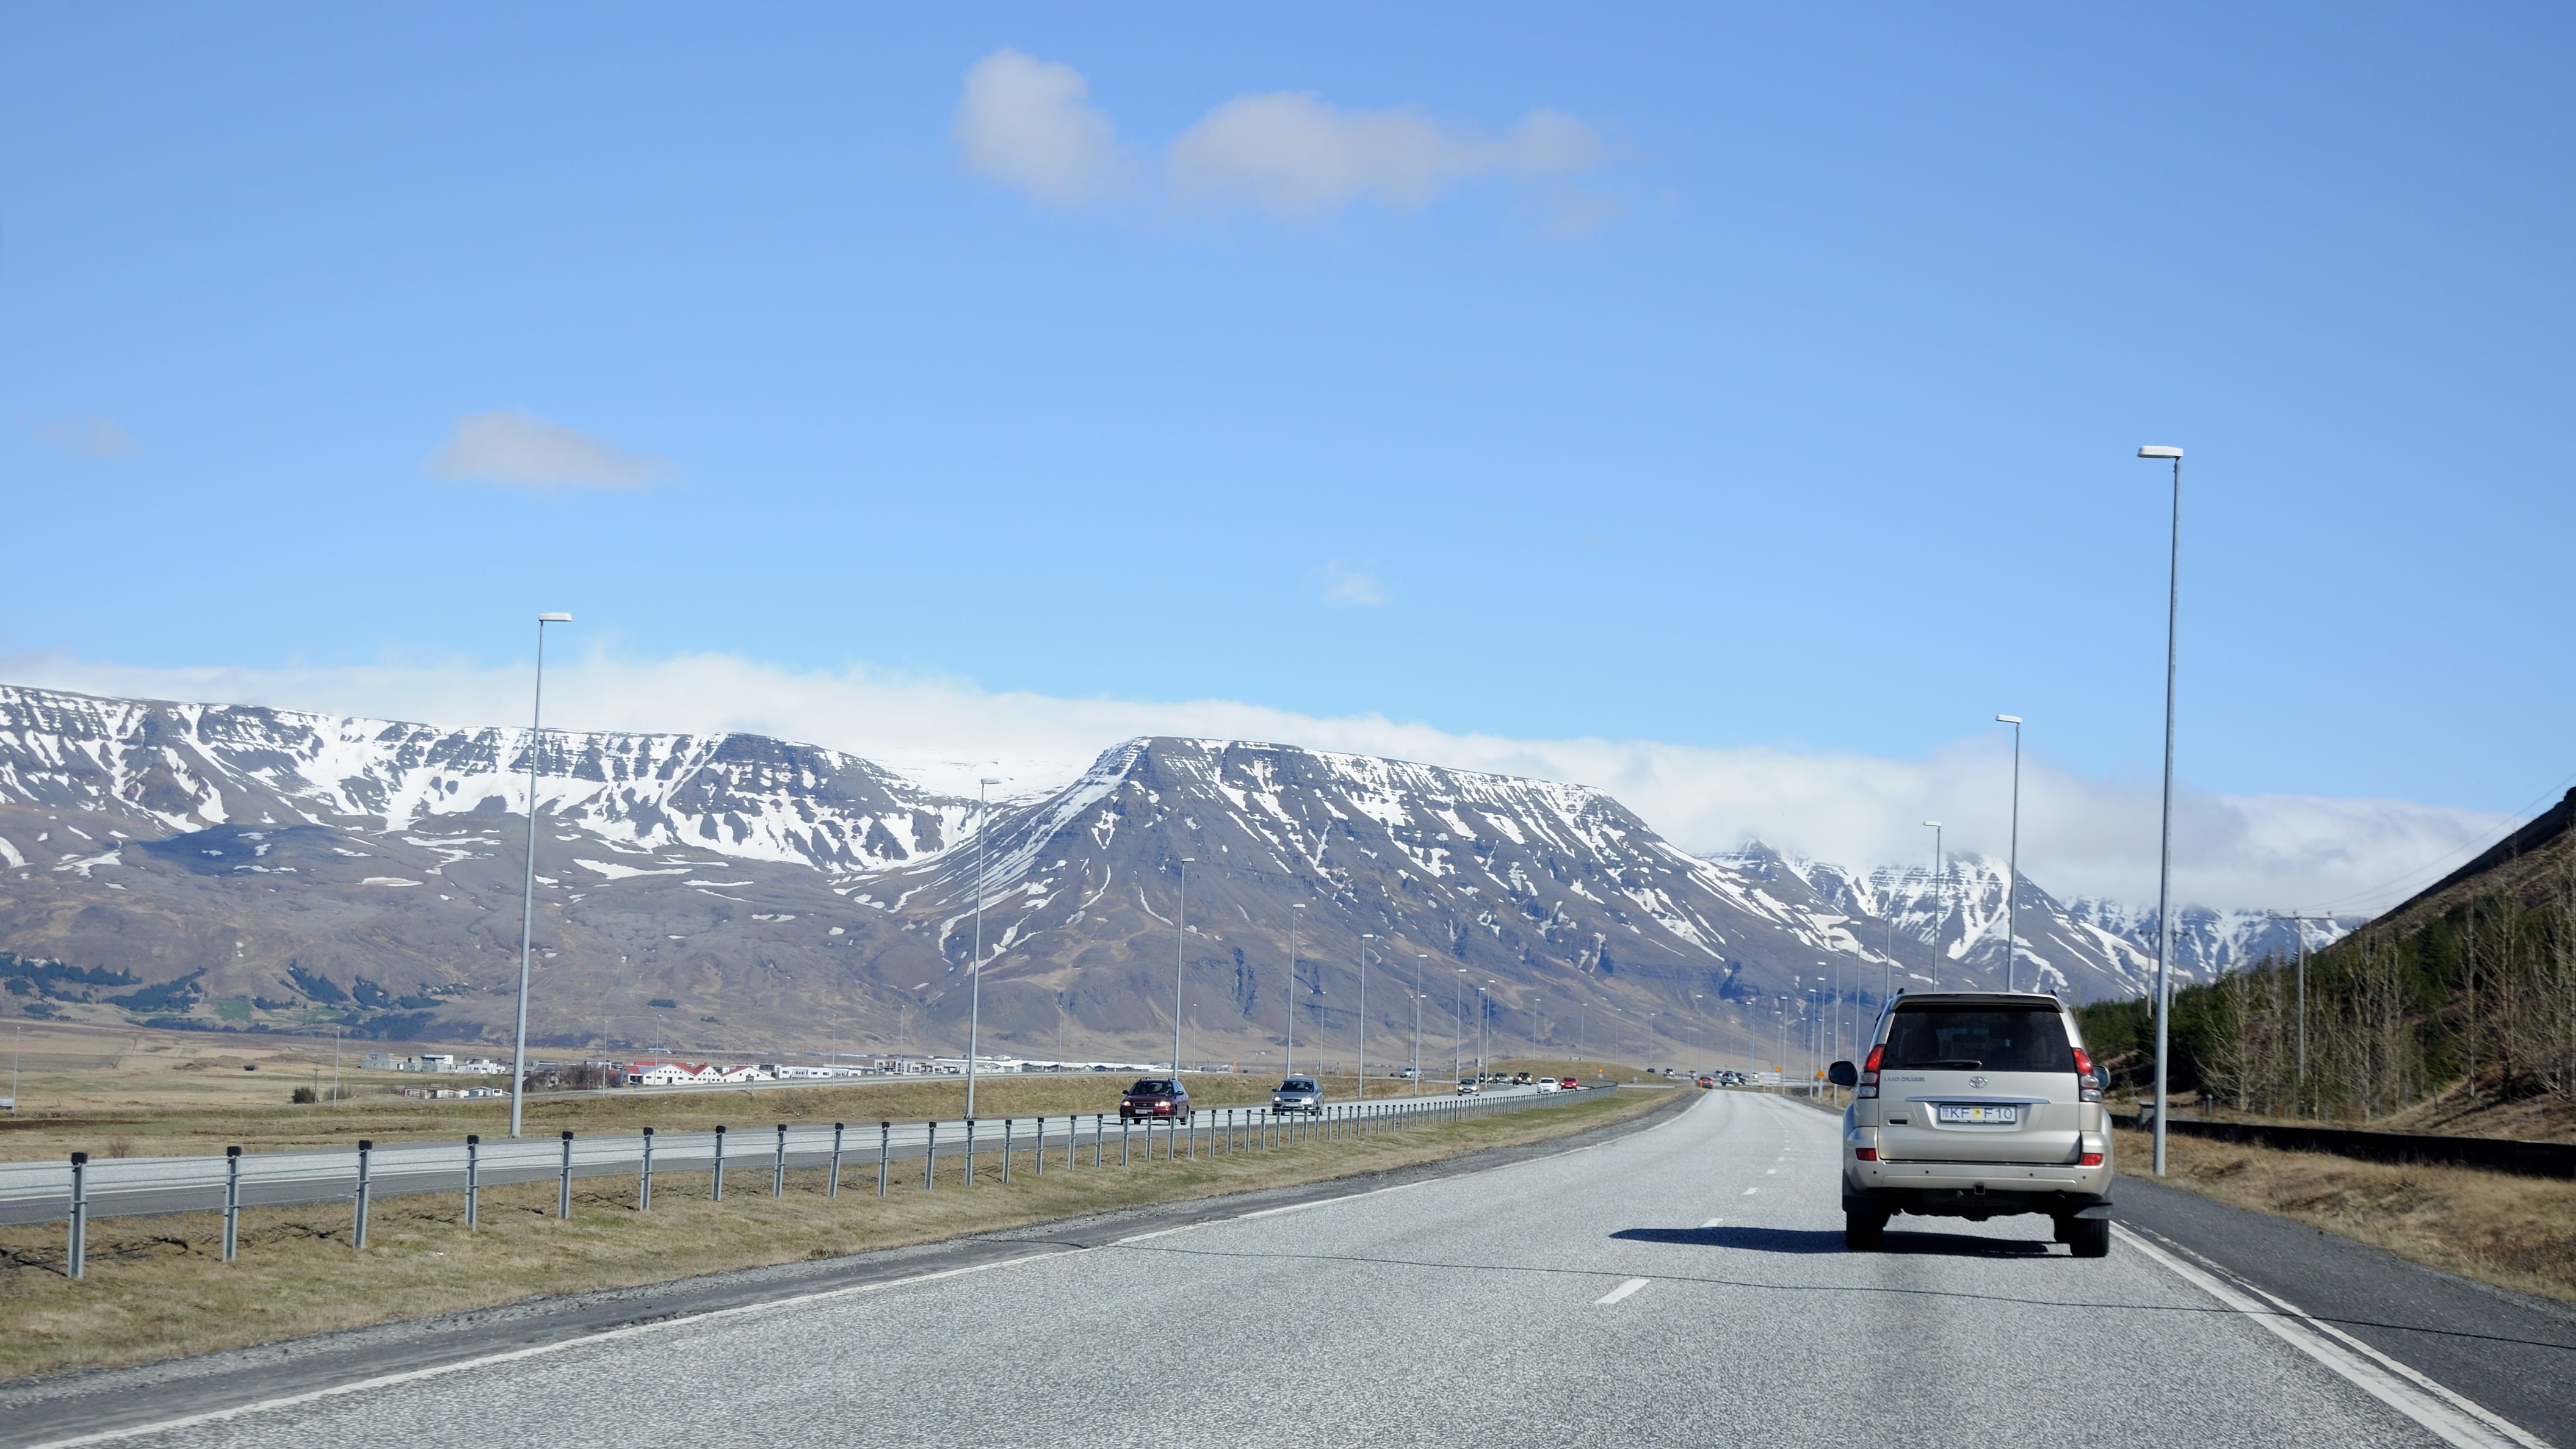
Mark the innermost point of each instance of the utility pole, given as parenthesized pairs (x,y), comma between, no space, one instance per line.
(2012,859)
(2300,923)
(1362,1057)
(1940,901)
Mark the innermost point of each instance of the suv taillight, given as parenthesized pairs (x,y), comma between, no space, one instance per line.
(1869,1074)
(2088,1087)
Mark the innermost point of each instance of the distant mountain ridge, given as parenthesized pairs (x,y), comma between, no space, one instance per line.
(303,865)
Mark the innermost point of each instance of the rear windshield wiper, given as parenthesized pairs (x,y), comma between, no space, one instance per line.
(1956,1064)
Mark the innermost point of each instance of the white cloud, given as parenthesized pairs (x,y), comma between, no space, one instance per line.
(1295,156)
(87,434)
(2080,836)
(521,448)
(1028,124)
(1356,587)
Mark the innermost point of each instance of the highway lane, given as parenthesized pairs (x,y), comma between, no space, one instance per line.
(1682,1285)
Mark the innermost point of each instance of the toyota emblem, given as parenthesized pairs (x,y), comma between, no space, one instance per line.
(1976,1081)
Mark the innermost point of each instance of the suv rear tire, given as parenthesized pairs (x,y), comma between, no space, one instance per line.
(2089,1237)
(1864,1232)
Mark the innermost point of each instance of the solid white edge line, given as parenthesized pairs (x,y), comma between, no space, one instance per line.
(1622,1291)
(2447,1414)
(632,1330)
(215,1416)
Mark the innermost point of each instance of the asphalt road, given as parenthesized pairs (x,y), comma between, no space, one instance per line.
(1681,1285)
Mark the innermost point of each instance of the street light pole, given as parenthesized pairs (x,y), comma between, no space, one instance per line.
(528,895)
(1293,919)
(1180,945)
(975,973)
(1361,1055)
(1418,958)
(1940,901)
(2164,848)
(2012,857)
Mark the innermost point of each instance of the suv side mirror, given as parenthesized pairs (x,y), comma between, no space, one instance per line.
(1843,1074)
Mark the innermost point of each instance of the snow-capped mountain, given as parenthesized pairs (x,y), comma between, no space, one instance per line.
(2086,949)
(251,866)
(151,768)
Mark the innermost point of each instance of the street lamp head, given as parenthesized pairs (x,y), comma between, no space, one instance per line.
(2010,719)
(2159,450)
(554,618)
(1935,824)
(990,780)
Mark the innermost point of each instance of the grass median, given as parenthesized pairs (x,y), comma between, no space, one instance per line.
(2514,1232)
(156,1287)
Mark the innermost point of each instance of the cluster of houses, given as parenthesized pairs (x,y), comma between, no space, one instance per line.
(445,1062)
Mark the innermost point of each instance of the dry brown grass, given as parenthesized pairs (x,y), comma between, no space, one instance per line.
(2514,1232)
(172,1094)
(156,1287)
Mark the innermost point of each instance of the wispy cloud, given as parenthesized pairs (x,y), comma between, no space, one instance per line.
(1030,124)
(1295,156)
(84,434)
(528,451)
(2079,835)
(1352,587)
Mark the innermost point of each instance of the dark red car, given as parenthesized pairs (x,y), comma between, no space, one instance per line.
(1156,1099)
(1570,1085)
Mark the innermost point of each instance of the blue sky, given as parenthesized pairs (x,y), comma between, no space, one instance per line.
(1776,387)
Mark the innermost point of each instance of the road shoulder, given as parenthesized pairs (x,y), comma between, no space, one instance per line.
(2512,1353)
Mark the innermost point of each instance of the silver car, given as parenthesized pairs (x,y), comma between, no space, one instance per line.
(1298,1094)
(1977,1105)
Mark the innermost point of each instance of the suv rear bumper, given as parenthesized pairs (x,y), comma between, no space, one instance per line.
(1976,1190)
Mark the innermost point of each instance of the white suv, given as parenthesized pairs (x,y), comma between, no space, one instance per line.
(1977,1105)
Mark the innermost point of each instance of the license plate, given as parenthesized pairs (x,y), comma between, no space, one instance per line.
(1977,1115)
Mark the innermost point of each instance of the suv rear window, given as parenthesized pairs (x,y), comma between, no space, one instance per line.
(1150,1087)
(1978,1038)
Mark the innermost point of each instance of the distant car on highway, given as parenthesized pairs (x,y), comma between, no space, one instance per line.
(1548,1084)
(1298,1094)
(1520,1079)
(1569,1084)
(1468,1089)
(1155,1099)
(1707,1083)
(1977,1105)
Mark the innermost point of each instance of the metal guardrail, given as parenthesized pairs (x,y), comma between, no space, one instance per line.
(2495,1154)
(87,1188)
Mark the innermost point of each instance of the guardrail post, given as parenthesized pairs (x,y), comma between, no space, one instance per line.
(715,1191)
(563,1194)
(970,1152)
(929,1155)
(473,1176)
(1099,1135)
(77,1253)
(885,1141)
(834,1189)
(1041,1143)
(644,1193)
(1006,1152)
(232,1202)
(778,1174)
(358,1239)
(1123,1124)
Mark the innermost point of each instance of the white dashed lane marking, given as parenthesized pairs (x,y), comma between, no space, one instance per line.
(1622,1291)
